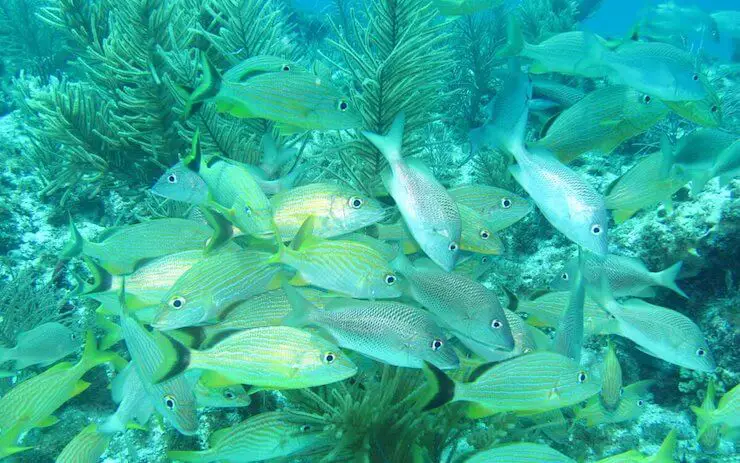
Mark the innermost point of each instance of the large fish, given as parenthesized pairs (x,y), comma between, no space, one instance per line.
(41,345)
(464,306)
(520,452)
(500,208)
(601,121)
(566,200)
(390,332)
(428,210)
(86,447)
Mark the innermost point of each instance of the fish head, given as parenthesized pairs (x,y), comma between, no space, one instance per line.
(180,183)
(340,112)
(564,278)
(325,362)
(706,112)
(222,397)
(689,86)
(475,265)
(589,224)
(436,349)
(383,283)
(180,310)
(177,403)
(440,248)
(508,209)
(352,210)
(576,384)
(253,219)
(695,354)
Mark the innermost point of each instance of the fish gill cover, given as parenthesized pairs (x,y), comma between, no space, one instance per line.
(368,230)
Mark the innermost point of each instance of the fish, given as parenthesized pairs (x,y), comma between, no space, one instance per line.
(538,381)
(473,266)
(181,183)
(260,437)
(427,209)
(706,112)
(134,404)
(695,155)
(260,64)
(346,267)
(563,53)
(658,69)
(213,284)
(727,22)
(271,357)
(476,235)
(274,157)
(643,185)
(611,379)
(726,414)
(561,95)
(627,276)
(274,186)
(662,333)
(631,405)
(670,19)
(31,403)
(122,249)
(569,334)
(567,201)
(520,452)
(507,114)
(295,101)
(601,121)
(222,397)
(464,306)
(664,454)
(727,165)
(708,436)
(500,208)
(464,7)
(41,345)
(547,308)
(389,332)
(86,447)
(526,339)
(337,209)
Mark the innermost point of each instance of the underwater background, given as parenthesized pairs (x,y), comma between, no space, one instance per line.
(97,104)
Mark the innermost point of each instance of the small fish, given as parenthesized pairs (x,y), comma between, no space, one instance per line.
(260,437)
(337,209)
(561,95)
(86,447)
(520,452)
(601,121)
(500,208)
(539,381)
(546,310)
(428,210)
(642,186)
(295,101)
(30,404)
(466,307)
(662,333)
(346,267)
(477,235)
(273,357)
(726,414)
(526,339)
(566,200)
(695,155)
(611,379)
(728,22)
(627,276)
(122,249)
(631,405)
(390,332)
(507,114)
(664,454)
(213,284)
(464,7)
(473,266)
(221,397)
(708,436)
(569,334)
(182,183)
(706,112)
(134,404)
(41,345)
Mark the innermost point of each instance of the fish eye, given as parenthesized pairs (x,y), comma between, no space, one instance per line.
(695,77)
(343,105)
(582,376)
(701,352)
(247,210)
(329,358)
(596,229)
(506,203)
(177,302)
(484,260)
(452,246)
(286,67)
(496,324)
(172,178)
(170,402)
(229,395)
(640,403)
(437,344)
(646,99)
(714,108)
(305,428)
(564,276)
(390,279)
(73,336)
(485,234)
(524,315)
(355,202)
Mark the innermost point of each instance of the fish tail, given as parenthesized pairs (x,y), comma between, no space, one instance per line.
(667,448)
(92,356)
(300,315)
(514,39)
(76,242)
(9,450)
(177,359)
(389,144)
(112,334)
(704,415)
(667,278)
(190,455)
(441,387)
(208,87)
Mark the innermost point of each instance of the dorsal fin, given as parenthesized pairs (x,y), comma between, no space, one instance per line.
(480,370)
(193,159)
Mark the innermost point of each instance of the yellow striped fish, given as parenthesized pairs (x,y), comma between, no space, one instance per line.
(260,64)
(708,435)
(213,284)
(547,309)
(337,210)
(706,112)
(122,249)
(221,396)
(539,381)
(85,447)
(477,234)
(260,437)
(520,452)
(31,403)
(473,266)
(727,412)
(611,379)
(499,207)
(632,404)
(277,357)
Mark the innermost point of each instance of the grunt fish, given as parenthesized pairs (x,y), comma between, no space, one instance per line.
(611,379)
(41,345)
(86,447)
(498,207)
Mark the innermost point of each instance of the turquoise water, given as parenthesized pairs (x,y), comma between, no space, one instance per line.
(369,230)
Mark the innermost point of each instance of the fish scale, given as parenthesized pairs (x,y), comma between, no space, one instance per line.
(611,379)
(521,452)
(85,447)
(631,405)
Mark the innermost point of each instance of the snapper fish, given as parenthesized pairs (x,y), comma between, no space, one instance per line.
(526,339)
(569,334)
(221,396)
(546,310)
(41,345)
(498,207)
(428,210)
(473,266)
(86,447)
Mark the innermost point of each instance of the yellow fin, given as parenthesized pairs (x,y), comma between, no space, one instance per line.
(50,420)
(80,387)
(215,380)
(476,410)
(622,215)
(298,280)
